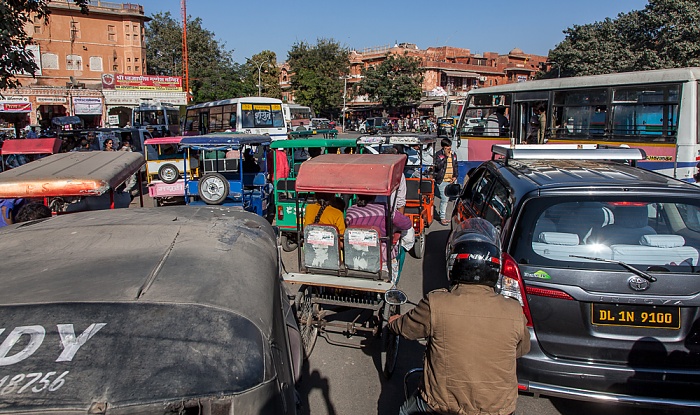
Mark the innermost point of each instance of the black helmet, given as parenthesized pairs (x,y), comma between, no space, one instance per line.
(475,253)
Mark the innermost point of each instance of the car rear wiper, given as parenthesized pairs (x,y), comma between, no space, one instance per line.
(625,265)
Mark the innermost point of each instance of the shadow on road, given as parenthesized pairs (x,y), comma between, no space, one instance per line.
(392,394)
(311,381)
(434,260)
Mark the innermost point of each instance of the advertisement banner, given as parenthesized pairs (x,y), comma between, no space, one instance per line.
(15,106)
(142,82)
(87,106)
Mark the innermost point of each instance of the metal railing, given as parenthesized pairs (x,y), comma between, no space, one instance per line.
(108,5)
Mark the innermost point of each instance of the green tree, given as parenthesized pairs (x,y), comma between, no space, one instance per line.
(269,75)
(396,82)
(213,74)
(663,35)
(14,58)
(317,73)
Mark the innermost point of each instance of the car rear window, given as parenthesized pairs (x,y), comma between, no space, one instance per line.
(650,234)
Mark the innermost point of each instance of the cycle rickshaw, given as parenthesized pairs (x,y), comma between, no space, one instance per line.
(337,279)
(420,185)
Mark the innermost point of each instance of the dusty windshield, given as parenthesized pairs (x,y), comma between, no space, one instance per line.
(656,234)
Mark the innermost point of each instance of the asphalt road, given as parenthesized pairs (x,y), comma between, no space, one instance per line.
(348,380)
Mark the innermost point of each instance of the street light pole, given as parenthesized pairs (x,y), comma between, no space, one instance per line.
(259,81)
(345,94)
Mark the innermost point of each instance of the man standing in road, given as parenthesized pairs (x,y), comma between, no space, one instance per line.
(445,173)
(474,334)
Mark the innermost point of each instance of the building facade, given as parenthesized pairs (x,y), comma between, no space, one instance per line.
(450,73)
(75,54)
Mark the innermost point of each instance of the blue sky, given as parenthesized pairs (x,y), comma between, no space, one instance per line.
(248,27)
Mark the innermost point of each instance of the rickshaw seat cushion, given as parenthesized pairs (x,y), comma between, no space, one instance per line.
(412,210)
(415,188)
(286,189)
(427,187)
(259,179)
(321,247)
(412,189)
(254,179)
(362,248)
(221,165)
(286,185)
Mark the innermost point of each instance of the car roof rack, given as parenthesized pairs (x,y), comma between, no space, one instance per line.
(566,152)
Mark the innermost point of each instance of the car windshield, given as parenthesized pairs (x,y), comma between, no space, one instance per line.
(657,235)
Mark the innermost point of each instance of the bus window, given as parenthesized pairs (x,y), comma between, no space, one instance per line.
(649,111)
(215,119)
(580,113)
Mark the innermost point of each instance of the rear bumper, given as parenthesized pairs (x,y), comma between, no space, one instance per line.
(541,374)
(603,397)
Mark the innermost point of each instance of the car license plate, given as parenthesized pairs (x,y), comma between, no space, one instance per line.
(636,316)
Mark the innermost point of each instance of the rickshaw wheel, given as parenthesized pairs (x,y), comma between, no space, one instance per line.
(156,203)
(305,311)
(287,244)
(390,342)
(168,173)
(213,188)
(419,246)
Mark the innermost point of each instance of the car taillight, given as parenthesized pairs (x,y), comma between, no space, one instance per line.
(512,285)
(280,213)
(548,292)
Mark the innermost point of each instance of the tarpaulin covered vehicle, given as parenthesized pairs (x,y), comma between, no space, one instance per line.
(76,181)
(27,147)
(173,310)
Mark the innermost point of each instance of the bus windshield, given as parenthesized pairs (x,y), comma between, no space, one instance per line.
(261,115)
(149,117)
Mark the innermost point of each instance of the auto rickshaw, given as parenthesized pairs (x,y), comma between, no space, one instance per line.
(147,311)
(27,149)
(349,277)
(284,193)
(165,165)
(232,171)
(420,185)
(76,181)
(445,127)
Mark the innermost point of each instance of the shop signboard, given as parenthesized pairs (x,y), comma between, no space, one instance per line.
(15,106)
(87,106)
(50,100)
(142,82)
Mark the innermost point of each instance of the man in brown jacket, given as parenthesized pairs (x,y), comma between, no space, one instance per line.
(474,334)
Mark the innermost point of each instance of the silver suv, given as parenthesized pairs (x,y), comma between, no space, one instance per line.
(603,257)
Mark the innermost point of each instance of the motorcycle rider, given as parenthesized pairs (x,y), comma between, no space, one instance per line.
(474,334)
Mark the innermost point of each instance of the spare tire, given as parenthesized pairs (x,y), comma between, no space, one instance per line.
(213,188)
(168,173)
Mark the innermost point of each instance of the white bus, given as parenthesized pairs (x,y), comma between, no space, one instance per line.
(296,116)
(159,119)
(653,110)
(251,115)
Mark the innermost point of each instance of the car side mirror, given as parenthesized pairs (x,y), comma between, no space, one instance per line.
(395,297)
(453,190)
